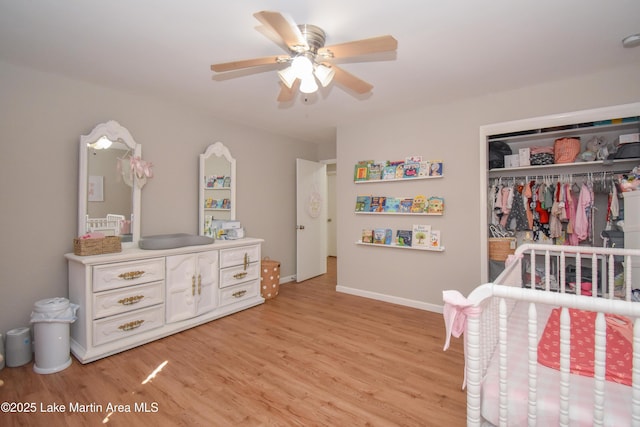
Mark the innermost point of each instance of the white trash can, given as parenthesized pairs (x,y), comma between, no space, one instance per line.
(51,319)
(18,350)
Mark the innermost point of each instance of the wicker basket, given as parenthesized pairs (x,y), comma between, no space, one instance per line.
(103,245)
(269,278)
(501,247)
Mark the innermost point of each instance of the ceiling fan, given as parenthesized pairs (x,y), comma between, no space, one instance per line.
(310,61)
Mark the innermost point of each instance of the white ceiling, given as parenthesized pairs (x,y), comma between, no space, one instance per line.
(447,50)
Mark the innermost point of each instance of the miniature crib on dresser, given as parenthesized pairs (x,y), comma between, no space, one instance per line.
(555,340)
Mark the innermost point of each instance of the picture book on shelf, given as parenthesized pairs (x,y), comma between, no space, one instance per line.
(405,205)
(389,172)
(392,204)
(421,236)
(435,239)
(435,168)
(419,204)
(377,204)
(362,203)
(382,236)
(425,169)
(403,238)
(411,170)
(435,205)
(367,236)
(375,171)
(361,172)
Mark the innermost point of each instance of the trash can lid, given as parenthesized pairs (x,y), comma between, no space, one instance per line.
(51,305)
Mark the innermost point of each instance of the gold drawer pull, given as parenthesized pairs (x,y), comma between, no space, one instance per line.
(131,325)
(240,275)
(131,275)
(193,285)
(239,293)
(246,260)
(131,300)
(199,284)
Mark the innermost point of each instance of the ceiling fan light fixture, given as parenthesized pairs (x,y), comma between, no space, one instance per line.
(324,74)
(308,84)
(287,76)
(302,66)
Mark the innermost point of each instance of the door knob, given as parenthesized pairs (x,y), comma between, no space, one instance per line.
(300,227)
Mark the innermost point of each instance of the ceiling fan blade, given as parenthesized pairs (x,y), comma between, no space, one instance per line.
(285,27)
(248,63)
(287,94)
(359,47)
(350,81)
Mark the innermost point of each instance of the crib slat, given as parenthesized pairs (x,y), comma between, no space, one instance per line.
(599,369)
(533,363)
(474,374)
(502,349)
(635,375)
(565,348)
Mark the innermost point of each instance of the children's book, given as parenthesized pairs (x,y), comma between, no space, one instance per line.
(377,204)
(436,168)
(375,171)
(362,203)
(361,172)
(382,236)
(435,238)
(419,204)
(435,205)
(392,204)
(405,205)
(411,170)
(367,236)
(421,236)
(389,172)
(403,238)
(425,169)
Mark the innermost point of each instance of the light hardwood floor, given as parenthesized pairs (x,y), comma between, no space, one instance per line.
(309,357)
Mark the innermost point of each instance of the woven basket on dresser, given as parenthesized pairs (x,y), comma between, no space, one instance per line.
(269,278)
(98,246)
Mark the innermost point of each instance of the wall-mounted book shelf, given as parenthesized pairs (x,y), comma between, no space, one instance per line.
(427,248)
(400,213)
(378,181)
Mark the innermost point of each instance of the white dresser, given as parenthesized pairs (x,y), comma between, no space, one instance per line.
(136,296)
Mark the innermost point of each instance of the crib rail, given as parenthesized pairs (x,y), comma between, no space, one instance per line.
(487,333)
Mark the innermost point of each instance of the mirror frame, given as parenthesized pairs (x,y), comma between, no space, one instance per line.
(115,132)
(217,149)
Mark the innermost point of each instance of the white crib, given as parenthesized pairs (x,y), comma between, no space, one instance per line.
(506,383)
(109,226)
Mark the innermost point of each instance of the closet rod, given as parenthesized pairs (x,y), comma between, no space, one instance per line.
(597,175)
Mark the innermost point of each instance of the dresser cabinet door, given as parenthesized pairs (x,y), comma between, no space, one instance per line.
(192,281)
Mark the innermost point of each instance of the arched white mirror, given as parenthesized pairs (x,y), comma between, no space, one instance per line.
(217,188)
(109,191)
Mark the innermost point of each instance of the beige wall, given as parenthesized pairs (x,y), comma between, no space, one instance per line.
(41,119)
(450,133)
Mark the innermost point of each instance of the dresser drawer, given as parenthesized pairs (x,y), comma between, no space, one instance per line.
(235,275)
(239,256)
(127,299)
(237,293)
(126,325)
(113,276)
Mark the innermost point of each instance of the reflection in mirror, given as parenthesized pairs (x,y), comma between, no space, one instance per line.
(217,188)
(109,199)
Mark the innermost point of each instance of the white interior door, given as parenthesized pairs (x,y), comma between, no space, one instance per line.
(311,217)
(332,247)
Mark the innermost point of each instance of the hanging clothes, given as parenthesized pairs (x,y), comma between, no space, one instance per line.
(518,213)
(582,223)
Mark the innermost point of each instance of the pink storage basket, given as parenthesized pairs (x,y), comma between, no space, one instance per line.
(566,150)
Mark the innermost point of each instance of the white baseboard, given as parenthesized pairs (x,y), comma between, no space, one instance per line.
(288,279)
(390,298)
